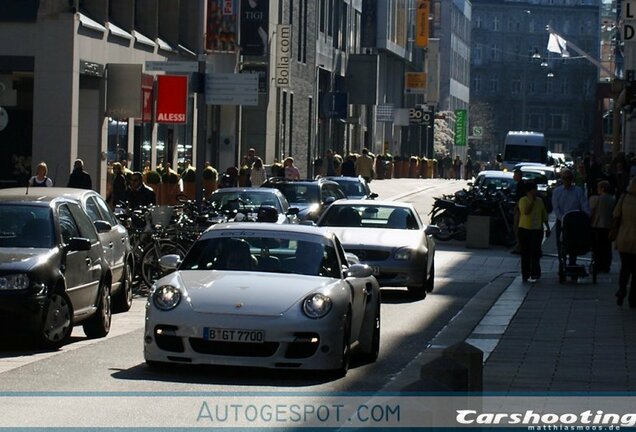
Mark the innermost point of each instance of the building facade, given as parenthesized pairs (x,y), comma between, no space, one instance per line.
(519,85)
(76,82)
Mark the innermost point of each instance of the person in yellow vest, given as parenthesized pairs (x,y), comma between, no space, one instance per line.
(532,217)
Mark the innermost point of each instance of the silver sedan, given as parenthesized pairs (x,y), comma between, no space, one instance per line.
(388,236)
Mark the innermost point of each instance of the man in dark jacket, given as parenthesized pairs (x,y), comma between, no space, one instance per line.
(79,178)
(139,195)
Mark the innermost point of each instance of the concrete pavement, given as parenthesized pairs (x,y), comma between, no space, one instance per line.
(539,337)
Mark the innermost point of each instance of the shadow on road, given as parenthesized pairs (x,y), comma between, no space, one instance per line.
(227,375)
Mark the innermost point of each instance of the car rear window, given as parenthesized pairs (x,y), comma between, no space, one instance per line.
(297,193)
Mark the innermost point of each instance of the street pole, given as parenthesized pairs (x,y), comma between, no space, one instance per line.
(202,116)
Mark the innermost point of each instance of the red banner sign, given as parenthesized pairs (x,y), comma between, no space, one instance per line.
(172,96)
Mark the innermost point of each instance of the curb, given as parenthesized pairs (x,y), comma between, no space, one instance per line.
(459,329)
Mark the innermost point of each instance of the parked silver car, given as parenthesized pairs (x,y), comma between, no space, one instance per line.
(388,236)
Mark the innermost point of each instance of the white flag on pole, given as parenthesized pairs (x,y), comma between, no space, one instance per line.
(557,44)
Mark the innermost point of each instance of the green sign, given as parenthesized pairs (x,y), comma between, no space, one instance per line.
(460,127)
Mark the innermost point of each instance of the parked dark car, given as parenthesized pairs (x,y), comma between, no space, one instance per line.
(53,274)
(354,187)
(112,235)
(311,197)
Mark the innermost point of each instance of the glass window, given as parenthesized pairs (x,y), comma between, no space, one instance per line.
(92,211)
(68,227)
(269,252)
(86,227)
(107,215)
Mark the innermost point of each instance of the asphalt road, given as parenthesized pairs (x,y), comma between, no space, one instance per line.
(115,363)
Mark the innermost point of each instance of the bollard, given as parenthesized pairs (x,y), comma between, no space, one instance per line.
(458,367)
(472,359)
(443,374)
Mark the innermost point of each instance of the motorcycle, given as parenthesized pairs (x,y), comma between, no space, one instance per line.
(450,214)
(450,217)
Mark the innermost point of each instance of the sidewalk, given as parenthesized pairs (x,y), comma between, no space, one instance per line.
(568,337)
(540,337)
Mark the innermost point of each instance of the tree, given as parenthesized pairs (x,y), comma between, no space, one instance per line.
(444,136)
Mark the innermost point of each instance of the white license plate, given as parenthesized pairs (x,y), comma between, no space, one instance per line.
(376,270)
(233,335)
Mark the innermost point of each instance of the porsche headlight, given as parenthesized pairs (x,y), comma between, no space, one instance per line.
(166,297)
(14,282)
(317,305)
(403,254)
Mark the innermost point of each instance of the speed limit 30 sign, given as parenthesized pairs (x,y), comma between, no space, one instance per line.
(417,116)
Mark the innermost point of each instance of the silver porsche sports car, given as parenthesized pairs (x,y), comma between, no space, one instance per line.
(390,237)
(264,295)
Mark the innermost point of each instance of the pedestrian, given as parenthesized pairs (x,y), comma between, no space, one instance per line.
(601,207)
(440,166)
(566,198)
(40,179)
(469,168)
(139,195)
(330,161)
(119,186)
(257,173)
(364,165)
(349,166)
(291,171)
(79,178)
(532,217)
(593,172)
(457,168)
(448,166)
(625,215)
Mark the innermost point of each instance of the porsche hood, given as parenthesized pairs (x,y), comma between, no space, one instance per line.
(246,293)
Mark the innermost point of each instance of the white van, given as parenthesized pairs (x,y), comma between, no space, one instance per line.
(523,146)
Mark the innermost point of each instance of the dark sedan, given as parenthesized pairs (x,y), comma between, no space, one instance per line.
(354,187)
(53,274)
(311,197)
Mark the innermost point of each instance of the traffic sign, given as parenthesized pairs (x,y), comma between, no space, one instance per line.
(172,66)
(478,131)
(384,113)
(231,89)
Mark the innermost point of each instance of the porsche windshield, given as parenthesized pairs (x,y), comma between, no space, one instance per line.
(26,226)
(257,253)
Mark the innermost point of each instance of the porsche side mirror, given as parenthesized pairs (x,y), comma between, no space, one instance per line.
(432,230)
(359,271)
(170,262)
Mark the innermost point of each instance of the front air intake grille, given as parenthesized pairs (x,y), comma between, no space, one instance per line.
(238,349)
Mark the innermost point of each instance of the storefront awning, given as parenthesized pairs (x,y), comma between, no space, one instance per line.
(91,24)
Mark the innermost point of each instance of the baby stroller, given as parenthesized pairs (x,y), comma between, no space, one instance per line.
(576,240)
